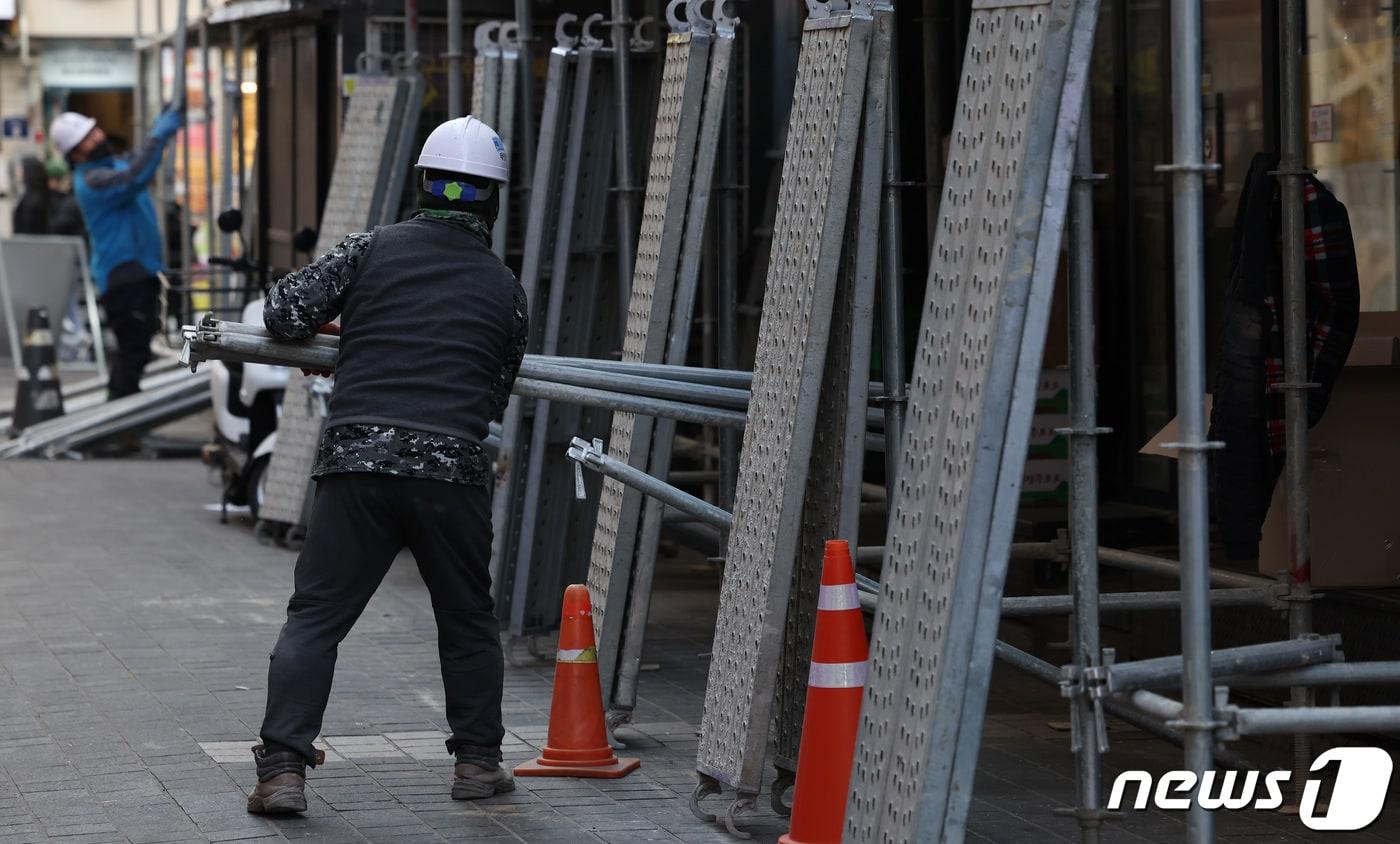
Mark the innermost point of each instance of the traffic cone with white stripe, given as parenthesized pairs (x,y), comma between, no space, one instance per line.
(835,687)
(578,741)
(37,395)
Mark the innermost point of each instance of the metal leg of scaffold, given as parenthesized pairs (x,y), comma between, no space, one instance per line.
(506,113)
(626,180)
(892,367)
(1291,172)
(1197,723)
(1086,740)
(525,41)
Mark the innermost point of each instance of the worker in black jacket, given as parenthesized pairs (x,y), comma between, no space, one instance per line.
(433,329)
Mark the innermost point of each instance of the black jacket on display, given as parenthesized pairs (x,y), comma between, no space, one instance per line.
(1248,410)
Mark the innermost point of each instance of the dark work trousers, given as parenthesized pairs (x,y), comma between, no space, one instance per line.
(133,314)
(359,523)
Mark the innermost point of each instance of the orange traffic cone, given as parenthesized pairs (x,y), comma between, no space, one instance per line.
(578,743)
(835,687)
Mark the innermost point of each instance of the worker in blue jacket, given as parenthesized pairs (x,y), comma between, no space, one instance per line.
(121,220)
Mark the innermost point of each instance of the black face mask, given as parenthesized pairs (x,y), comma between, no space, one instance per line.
(101,151)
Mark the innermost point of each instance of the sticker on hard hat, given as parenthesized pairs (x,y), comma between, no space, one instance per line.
(454,191)
(500,147)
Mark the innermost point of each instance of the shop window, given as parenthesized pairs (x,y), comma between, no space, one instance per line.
(1349,80)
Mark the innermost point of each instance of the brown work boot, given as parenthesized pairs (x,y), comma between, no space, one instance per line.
(474,782)
(281,783)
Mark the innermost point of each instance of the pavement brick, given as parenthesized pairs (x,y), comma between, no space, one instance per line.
(134,633)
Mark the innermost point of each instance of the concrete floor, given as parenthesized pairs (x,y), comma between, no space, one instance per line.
(134,631)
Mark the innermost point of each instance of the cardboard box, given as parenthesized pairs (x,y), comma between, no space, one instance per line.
(1353,467)
(1352,473)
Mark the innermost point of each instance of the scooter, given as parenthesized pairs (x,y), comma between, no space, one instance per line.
(247,397)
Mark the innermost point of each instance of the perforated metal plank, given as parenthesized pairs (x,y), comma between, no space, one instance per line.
(802,273)
(648,314)
(677,347)
(1027,330)
(936,548)
(374,114)
(821,512)
(486,72)
(401,151)
(534,278)
(833,482)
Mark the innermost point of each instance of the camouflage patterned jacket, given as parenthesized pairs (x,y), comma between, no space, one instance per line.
(310,297)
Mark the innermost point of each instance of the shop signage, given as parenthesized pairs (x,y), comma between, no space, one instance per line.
(86,65)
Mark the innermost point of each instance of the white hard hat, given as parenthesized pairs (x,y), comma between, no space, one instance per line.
(466,145)
(69,129)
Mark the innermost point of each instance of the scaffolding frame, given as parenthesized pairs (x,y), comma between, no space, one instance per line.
(1094,682)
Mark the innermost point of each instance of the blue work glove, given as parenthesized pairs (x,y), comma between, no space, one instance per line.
(169,123)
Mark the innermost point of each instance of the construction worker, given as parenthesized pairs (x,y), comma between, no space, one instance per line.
(433,329)
(124,234)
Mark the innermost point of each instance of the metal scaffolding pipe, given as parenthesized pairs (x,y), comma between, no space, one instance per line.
(1047,673)
(1188,260)
(641,385)
(236,39)
(1154,704)
(1291,172)
(597,459)
(626,180)
(892,287)
(1168,672)
(1020,606)
(138,98)
(1314,719)
(214,338)
(454,60)
(410,32)
(539,376)
(633,404)
(525,24)
(1334,674)
(207,90)
(231,97)
(1149,564)
(1084,483)
(181,96)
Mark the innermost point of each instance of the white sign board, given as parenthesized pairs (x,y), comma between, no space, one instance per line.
(86,64)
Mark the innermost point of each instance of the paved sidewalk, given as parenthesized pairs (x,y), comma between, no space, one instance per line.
(134,632)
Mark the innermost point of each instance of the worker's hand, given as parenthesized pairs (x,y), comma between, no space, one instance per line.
(328,328)
(169,122)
